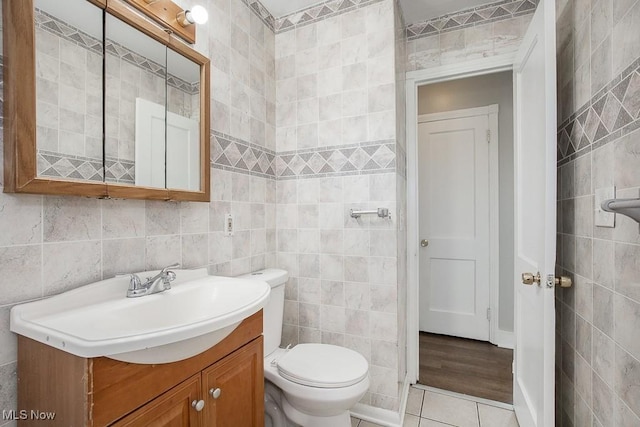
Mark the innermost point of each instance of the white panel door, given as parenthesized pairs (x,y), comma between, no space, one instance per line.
(171,164)
(150,147)
(535,219)
(183,153)
(453,180)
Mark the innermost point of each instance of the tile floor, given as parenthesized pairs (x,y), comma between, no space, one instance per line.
(433,409)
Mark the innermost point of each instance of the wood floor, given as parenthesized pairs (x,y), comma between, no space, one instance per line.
(476,368)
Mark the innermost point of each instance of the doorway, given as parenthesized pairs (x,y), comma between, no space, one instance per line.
(534,210)
(465,223)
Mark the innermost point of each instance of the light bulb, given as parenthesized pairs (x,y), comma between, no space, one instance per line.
(199,14)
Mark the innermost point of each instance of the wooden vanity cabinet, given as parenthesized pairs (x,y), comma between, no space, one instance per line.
(172,409)
(231,388)
(227,380)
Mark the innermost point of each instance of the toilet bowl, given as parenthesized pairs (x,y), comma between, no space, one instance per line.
(314,385)
(319,382)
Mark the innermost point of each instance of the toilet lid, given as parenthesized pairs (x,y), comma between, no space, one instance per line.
(323,365)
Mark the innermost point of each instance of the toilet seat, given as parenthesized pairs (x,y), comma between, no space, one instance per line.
(323,366)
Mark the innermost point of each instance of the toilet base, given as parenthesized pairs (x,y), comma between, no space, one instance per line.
(306,420)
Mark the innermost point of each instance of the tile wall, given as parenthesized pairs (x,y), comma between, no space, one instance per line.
(51,244)
(597,352)
(488,30)
(337,150)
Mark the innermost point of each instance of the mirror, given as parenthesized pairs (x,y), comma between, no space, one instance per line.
(108,105)
(68,39)
(135,70)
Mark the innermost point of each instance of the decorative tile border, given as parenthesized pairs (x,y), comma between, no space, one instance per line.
(135,59)
(240,156)
(353,159)
(183,85)
(317,13)
(119,170)
(68,166)
(498,11)
(262,13)
(610,114)
(236,155)
(58,165)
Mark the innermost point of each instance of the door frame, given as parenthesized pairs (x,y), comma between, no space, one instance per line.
(494,205)
(414,80)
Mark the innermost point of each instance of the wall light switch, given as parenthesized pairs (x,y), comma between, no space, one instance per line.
(228,224)
(602,218)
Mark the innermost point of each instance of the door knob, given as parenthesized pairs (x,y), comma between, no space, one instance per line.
(563,281)
(424,243)
(198,405)
(530,279)
(215,392)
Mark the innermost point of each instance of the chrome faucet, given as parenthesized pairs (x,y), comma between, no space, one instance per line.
(159,283)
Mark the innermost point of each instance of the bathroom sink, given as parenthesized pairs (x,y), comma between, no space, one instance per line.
(99,320)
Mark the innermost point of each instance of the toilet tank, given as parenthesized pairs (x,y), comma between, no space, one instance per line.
(274,310)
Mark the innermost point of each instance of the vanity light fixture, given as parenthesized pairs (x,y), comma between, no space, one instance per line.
(197,15)
(171,16)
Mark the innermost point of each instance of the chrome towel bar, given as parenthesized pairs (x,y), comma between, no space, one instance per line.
(381,212)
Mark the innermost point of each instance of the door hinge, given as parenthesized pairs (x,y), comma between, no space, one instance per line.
(488,135)
(489,314)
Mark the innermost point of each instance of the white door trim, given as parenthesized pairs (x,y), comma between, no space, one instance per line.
(459,114)
(494,204)
(414,80)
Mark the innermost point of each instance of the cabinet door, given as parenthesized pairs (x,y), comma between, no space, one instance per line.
(234,389)
(171,409)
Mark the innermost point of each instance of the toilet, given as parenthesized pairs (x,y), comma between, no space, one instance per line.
(310,385)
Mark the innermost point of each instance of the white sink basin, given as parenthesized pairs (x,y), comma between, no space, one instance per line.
(99,320)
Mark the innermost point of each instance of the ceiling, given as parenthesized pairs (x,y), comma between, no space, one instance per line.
(414,10)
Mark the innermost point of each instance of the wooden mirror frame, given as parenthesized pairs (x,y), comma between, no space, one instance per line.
(20,149)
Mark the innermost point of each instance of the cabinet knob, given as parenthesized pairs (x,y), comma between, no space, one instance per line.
(215,392)
(198,405)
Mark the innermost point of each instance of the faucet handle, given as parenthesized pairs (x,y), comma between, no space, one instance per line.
(168,277)
(134,281)
(176,265)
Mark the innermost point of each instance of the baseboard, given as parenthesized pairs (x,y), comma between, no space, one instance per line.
(504,339)
(383,417)
(404,397)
